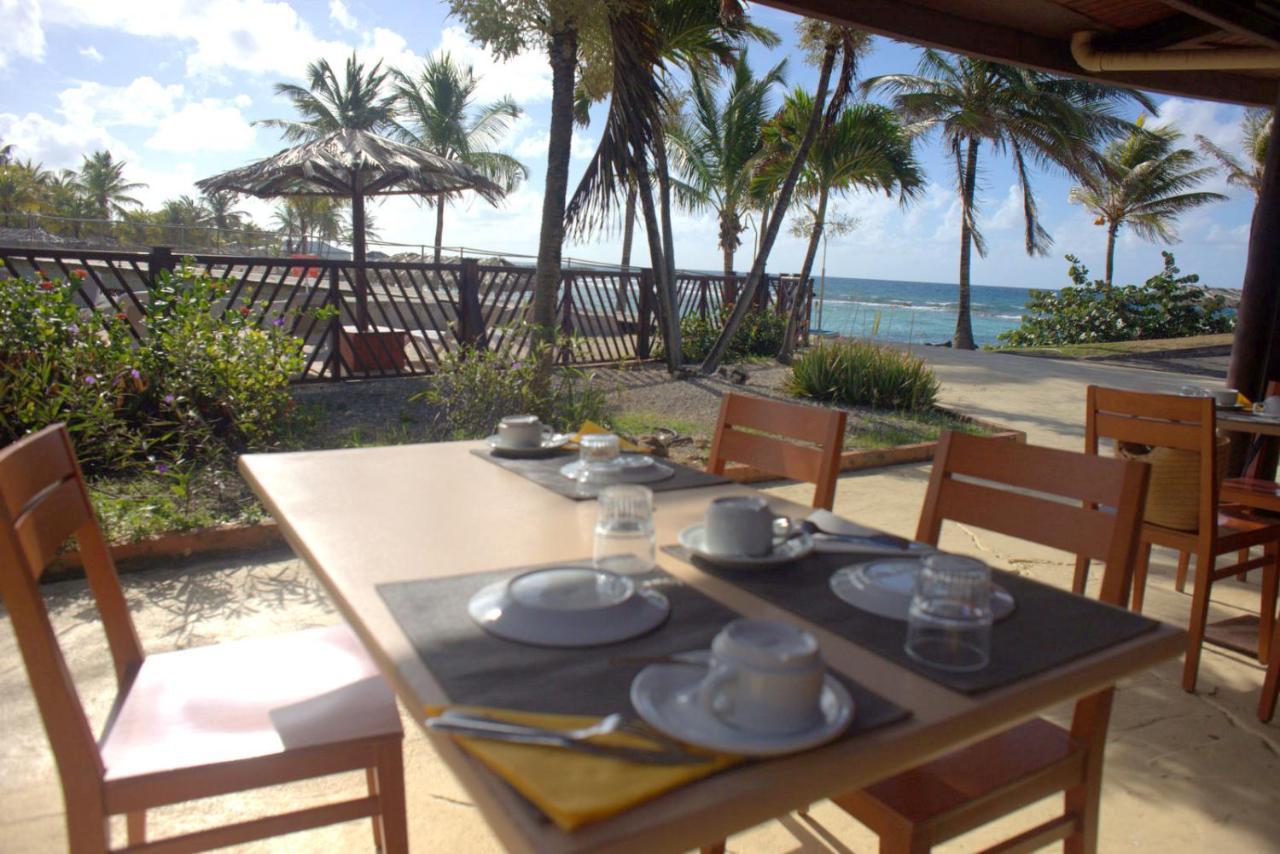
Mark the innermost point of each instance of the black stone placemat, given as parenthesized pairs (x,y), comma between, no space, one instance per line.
(476,668)
(1048,627)
(545,471)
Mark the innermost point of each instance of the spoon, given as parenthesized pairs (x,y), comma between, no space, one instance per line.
(805,526)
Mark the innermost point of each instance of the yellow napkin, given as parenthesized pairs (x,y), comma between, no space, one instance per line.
(589,427)
(1241,400)
(574,788)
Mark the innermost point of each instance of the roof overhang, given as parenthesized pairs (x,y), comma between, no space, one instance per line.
(1038,34)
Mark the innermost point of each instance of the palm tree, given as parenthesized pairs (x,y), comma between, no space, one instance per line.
(864,148)
(1144,181)
(716,147)
(1039,119)
(329,104)
(102,181)
(436,115)
(1257,125)
(221,209)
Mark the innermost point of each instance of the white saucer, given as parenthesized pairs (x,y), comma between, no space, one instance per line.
(568,606)
(554,442)
(662,695)
(885,587)
(626,469)
(784,550)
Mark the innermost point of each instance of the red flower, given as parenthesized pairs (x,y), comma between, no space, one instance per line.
(46,285)
(244,311)
(78,274)
(120,315)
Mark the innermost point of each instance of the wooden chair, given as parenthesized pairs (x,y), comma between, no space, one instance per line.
(1188,423)
(824,428)
(964,790)
(1271,684)
(193,723)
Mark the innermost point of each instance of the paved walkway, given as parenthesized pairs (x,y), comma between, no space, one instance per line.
(1184,772)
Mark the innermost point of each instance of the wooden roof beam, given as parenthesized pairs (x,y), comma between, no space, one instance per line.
(932,28)
(1232,16)
(1174,31)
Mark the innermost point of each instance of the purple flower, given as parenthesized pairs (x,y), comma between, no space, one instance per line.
(279,321)
(162,468)
(136,374)
(73,329)
(168,398)
(90,379)
(515,366)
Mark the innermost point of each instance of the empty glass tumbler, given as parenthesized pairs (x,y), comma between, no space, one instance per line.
(949,622)
(599,460)
(625,542)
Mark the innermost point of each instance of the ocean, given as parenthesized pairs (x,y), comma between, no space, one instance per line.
(913,312)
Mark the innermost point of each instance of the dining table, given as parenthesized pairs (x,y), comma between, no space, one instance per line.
(367,518)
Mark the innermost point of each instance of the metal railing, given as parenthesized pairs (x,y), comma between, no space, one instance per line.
(399,318)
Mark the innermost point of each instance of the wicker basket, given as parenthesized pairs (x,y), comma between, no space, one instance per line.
(1173,493)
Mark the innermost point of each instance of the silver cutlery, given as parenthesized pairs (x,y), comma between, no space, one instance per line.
(889,541)
(460,723)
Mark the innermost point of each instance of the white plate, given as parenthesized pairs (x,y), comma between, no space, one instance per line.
(552,443)
(568,606)
(885,587)
(624,471)
(784,551)
(663,695)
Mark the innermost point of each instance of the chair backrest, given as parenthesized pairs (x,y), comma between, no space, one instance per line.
(1164,421)
(1088,505)
(823,428)
(43,502)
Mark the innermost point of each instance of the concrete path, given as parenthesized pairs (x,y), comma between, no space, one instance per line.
(1184,772)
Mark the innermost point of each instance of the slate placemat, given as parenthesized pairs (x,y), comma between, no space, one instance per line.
(1048,628)
(545,471)
(476,668)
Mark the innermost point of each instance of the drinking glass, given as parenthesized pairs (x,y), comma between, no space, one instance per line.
(949,622)
(625,542)
(599,458)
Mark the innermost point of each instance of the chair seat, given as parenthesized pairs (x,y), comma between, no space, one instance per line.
(1252,491)
(965,777)
(247,699)
(1237,528)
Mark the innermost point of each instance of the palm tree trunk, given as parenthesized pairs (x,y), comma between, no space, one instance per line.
(716,356)
(963,339)
(667,281)
(798,301)
(628,226)
(563,54)
(653,231)
(728,241)
(1112,228)
(439,225)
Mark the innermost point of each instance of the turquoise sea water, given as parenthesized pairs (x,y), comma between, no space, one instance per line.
(913,311)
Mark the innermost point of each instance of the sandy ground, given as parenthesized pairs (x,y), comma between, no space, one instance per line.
(1184,772)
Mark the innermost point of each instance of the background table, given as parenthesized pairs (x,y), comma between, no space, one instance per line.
(373,516)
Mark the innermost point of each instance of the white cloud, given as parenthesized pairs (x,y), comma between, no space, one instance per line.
(24,34)
(143,103)
(91,52)
(339,15)
(1010,213)
(533,147)
(208,125)
(57,145)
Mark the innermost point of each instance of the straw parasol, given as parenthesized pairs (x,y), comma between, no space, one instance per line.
(353,164)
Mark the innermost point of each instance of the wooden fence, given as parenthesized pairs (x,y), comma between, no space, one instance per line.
(391,318)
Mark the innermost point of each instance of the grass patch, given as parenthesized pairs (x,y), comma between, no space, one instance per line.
(642,422)
(871,430)
(135,507)
(1120,348)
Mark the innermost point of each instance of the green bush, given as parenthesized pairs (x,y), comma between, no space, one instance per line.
(760,334)
(1165,306)
(858,373)
(473,389)
(200,381)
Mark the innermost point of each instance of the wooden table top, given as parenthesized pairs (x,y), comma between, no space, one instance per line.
(371,516)
(1247,422)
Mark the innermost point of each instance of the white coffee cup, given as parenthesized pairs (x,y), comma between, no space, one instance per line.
(763,677)
(1224,396)
(739,525)
(522,431)
(1271,405)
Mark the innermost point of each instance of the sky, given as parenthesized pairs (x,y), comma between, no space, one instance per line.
(172,87)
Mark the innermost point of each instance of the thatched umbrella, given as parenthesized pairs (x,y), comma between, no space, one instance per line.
(353,164)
